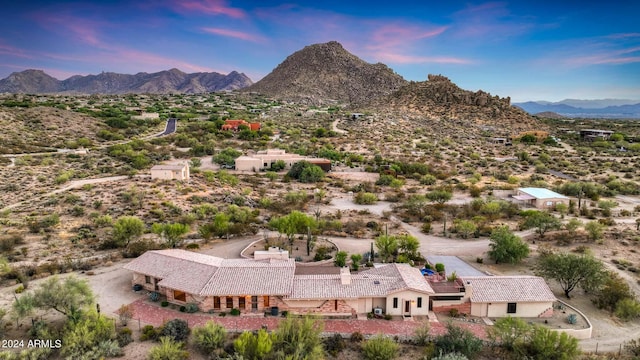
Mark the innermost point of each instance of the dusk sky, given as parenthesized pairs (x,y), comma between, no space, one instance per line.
(529,50)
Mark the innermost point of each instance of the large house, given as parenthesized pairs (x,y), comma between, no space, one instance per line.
(264,159)
(257,286)
(171,172)
(595,134)
(540,198)
(235,125)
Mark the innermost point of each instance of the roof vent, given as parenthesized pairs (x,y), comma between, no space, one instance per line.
(376,282)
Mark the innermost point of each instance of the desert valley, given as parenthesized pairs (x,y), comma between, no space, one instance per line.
(307,215)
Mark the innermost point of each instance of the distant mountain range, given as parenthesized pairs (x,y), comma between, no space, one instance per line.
(605,108)
(168,81)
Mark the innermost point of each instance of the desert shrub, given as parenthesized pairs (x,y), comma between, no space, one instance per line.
(450,356)
(138,248)
(176,329)
(124,337)
(149,333)
(365,198)
(192,308)
(380,348)
(164,303)
(334,344)
(253,346)
(544,343)
(168,350)
(459,340)
(421,334)
(296,336)
(356,337)
(235,312)
(627,309)
(209,337)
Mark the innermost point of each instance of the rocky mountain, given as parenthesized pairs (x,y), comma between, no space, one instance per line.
(440,101)
(320,73)
(168,81)
(625,111)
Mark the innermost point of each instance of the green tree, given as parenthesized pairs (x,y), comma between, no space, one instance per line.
(209,337)
(297,169)
(253,347)
(64,296)
(387,246)
(542,221)
(571,270)
(298,339)
(221,223)
(594,229)
(507,247)
(168,350)
(380,347)
(311,174)
(341,259)
(408,245)
(465,228)
(355,261)
(294,223)
(170,233)
(439,196)
(509,332)
(126,229)
(226,157)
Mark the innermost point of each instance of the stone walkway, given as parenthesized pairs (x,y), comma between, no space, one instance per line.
(153,314)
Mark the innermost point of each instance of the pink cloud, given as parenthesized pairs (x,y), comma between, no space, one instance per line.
(410,59)
(13,51)
(213,7)
(82,29)
(603,57)
(400,34)
(233,33)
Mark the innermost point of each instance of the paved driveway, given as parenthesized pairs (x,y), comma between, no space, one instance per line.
(454,263)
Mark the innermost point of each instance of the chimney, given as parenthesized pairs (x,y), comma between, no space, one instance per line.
(468,289)
(345,276)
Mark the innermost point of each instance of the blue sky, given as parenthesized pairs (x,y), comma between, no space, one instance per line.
(528,50)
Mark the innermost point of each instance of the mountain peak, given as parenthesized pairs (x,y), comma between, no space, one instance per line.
(322,72)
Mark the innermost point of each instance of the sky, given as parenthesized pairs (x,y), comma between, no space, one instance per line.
(528,50)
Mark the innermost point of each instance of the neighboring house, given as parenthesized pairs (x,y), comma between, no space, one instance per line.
(235,125)
(595,134)
(264,159)
(171,172)
(146,116)
(540,198)
(257,286)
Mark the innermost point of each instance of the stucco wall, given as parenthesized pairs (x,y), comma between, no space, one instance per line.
(407,296)
(523,309)
(542,203)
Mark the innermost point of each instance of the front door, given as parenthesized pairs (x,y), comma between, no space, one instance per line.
(407,307)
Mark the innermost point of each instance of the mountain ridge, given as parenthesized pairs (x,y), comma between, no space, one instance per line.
(626,111)
(167,81)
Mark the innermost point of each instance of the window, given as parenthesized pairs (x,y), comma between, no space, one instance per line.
(179,295)
(216,302)
(549,203)
(511,308)
(266,301)
(241,302)
(229,302)
(147,279)
(420,302)
(395,303)
(335,305)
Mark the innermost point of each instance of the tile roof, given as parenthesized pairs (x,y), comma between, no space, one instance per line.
(206,275)
(378,282)
(509,289)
